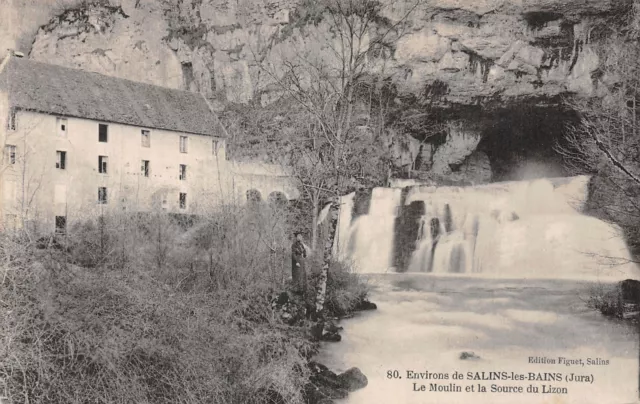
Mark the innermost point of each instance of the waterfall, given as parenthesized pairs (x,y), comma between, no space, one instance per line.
(377,219)
(511,229)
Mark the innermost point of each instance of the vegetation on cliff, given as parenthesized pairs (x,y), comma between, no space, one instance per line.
(606,140)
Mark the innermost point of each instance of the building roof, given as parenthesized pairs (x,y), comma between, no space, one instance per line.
(51,89)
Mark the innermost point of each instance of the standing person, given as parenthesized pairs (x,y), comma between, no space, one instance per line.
(298,267)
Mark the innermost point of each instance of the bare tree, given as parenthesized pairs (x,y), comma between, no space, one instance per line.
(21,167)
(332,87)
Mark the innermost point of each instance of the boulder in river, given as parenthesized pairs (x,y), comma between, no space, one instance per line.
(468,355)
(323,385)
(366,305)
(331,336)
(331,332)
(353,379)
(330,326)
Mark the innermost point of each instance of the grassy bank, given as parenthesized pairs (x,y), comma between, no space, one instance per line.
(156,309)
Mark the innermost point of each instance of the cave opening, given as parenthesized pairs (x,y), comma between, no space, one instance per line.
(520,141)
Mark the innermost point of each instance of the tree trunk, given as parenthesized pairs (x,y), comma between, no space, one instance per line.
(332,218)
(314,223)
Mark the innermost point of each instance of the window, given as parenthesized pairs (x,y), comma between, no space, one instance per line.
(102,195)
(12,124)
(144,168)
(61,159)
(61,224)
(10,154)
(103,133)
(146,138)
(102,164)
(61,125)
(215,146)
(183,172)
(183,200)
(183,144)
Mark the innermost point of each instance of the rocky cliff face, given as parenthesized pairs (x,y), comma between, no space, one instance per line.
(21,19)
(116,39)
(456,52)
(472,51)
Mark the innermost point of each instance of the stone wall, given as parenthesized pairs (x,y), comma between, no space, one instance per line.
(268,180)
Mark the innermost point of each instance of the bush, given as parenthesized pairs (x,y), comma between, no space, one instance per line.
(149,308)
(619,300)
(606,299)
(346,290)
(142,310)
(76,336)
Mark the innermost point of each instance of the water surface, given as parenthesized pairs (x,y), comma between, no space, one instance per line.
(425,321)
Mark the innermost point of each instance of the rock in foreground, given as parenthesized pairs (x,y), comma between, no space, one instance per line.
(326,386)
(353,379)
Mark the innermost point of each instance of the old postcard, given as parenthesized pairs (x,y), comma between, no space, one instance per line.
(319,201)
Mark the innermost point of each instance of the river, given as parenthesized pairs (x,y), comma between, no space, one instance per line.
(502,270)
(424,322)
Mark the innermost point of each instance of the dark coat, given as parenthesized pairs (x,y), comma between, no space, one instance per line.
(298,267)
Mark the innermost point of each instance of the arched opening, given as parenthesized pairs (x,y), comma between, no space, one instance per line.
(278,199)
(253,195)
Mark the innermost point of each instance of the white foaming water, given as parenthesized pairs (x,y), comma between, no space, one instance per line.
(424,323)
(472,255)
(373,249)
(513,229)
